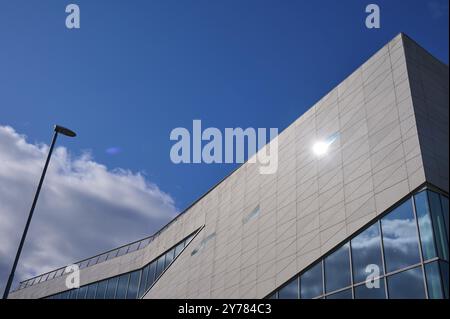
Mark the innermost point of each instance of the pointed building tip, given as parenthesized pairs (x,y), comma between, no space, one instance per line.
(404,35)
(401,35)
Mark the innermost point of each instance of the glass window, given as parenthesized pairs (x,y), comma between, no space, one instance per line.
(143,284)
(179,248)
(401,245)
(145,242)
(73,294)
(44,277)
(311,284)
(444,274)
(101,289)
(122,251)
(133,247)
(444,203)
(159,266)
(111,289)
(151,274)
(433,281)
(438,225)
(289,291)
(169,258)
(273,296)
(364,292)
(112,254)
(366,250)
(133,285)
(122,286)
(337,269)
(102,258)
(407,285)
(187,240)
(59,272)
(64,295)
(92,261)
(92,289)
(82,292)
(346,294)
(425,226)
(83,264)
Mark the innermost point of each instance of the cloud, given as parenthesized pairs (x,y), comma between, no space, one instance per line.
(84,207)
(438,9)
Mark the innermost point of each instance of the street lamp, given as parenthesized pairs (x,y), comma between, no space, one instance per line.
(57,129)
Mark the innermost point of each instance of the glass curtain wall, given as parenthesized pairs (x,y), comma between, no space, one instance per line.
(131,285)
(402,255)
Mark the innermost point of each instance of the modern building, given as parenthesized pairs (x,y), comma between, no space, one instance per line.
(365,218)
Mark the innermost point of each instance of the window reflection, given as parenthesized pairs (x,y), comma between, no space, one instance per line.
(425,226)
(273,296)
(407,285)
(169,257)
(433,281)
(82,292)
(143,283)
(133,285)
(444,203)
(151,274)
(73,294)
(401,245)
(366,250)
(101,289)
(290,291)
(438,225)
(364,292)
(159,266)
(92,289)
(337,269)
(122,286)
(111,289)
(179,248)
(444,274)
(346,294)
(311,284)
(64,295)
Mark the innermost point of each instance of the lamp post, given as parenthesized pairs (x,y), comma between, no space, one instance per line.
(58,129)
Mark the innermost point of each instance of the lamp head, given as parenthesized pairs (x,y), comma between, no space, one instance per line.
(64,131)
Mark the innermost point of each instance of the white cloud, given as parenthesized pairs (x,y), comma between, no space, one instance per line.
(84,208)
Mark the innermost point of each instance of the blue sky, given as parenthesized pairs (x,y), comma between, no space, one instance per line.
(138,69)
